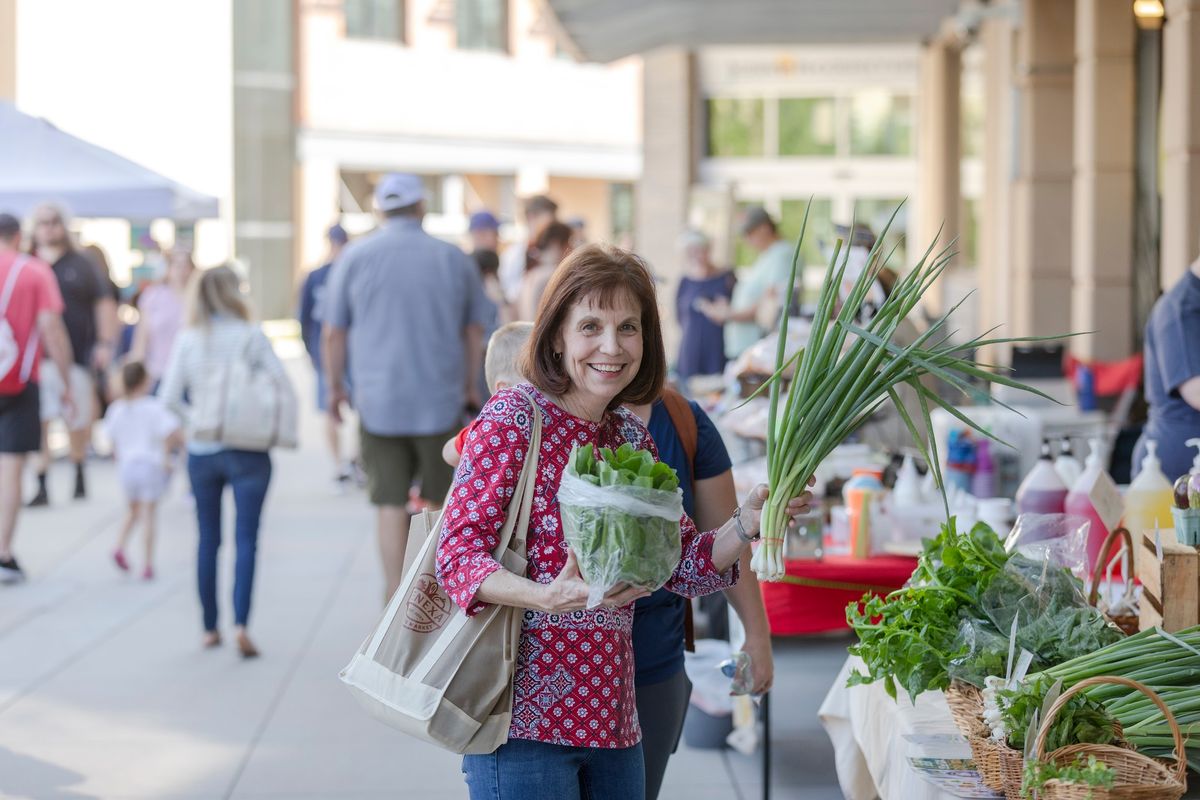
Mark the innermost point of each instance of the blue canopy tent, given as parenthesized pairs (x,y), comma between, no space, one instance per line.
(40,163)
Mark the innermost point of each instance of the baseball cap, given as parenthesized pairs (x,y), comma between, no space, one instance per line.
(755,216)
(483,221)
(398,190)
(337,234)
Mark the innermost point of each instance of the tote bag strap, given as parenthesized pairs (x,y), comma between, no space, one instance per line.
(517,527)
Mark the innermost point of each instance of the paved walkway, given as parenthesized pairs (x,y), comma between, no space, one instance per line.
(105,693)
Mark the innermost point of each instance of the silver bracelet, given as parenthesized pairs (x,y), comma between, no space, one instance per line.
(741,529)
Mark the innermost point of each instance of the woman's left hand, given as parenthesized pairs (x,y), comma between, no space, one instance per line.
(752,510)
(762,664)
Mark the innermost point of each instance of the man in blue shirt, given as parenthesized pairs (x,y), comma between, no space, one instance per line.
(310,315)
(1172,351)
(405,309)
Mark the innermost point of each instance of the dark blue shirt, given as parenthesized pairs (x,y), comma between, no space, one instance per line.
(1172,351)
(658,619)
(310,322)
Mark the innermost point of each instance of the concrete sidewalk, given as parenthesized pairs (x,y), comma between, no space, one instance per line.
(106,694)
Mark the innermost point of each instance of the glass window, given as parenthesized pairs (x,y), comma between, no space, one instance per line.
(807,126)
(374,19)
(968,243)
(972,119)
(735,127)
(881,124)
(620,198)
(874,213)
(818,237)
(481,24)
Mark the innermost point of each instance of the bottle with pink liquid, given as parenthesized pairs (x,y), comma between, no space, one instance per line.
(1093,481)
(1042,491)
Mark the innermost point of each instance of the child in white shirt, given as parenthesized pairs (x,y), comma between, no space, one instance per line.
(144,433)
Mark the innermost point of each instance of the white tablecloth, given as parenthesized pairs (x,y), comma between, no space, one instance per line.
(867,729)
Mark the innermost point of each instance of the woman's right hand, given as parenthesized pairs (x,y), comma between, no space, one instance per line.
(569,591)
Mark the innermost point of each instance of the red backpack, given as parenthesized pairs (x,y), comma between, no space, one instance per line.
(14,369)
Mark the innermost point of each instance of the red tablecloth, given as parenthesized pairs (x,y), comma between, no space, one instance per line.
(793,610)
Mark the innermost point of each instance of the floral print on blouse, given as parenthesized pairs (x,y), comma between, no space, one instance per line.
(574,672)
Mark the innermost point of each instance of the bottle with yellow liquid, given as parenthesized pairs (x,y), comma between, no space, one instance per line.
(1148,499)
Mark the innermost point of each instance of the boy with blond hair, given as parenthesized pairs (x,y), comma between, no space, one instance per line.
(500,370)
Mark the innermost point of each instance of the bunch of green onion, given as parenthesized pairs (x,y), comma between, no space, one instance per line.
(848,370)
(1167,664)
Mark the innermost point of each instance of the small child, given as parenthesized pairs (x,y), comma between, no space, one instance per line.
(500,369)
(144,434)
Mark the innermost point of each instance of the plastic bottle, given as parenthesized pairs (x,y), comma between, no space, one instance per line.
(1067,465)
(1148,500)
(983,482)
(960,460)
(859,492)
(1087,388)
(906,492)
(1042,491)
(1079,499)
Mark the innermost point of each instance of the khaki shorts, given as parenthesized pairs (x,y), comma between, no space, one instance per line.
(82,393)
(392,464)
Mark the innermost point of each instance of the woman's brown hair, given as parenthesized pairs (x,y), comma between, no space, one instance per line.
(556,233)
(603,274)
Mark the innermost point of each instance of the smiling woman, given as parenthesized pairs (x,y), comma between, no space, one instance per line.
(596,344)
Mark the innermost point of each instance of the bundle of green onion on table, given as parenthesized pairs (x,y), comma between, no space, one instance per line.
(849,368)
(621,517)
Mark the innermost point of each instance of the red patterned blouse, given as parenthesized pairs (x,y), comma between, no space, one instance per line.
(574,672)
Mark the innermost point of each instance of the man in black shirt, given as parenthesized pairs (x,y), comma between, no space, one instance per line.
(87,307)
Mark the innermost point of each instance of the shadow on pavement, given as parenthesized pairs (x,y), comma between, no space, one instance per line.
(23,776)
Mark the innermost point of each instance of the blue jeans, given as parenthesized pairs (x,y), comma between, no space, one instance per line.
(524,770)
(249,474)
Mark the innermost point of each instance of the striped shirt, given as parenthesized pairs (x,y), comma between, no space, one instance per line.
(201,351)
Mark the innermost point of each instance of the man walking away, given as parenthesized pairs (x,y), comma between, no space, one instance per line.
(30,314)
(311,311)
(87,306)
(407,310)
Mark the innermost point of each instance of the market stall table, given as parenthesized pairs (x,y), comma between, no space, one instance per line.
(868,731)
(819,606)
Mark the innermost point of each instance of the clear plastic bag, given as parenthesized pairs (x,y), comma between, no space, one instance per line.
(1060,538)
(984,653)
(620,534)
(1049,608)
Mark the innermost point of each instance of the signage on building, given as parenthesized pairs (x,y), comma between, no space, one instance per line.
(768,69)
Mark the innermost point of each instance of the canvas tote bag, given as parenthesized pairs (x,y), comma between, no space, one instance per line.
(245,406)
(431,671)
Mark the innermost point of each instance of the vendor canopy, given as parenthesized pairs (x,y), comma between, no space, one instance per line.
(605,30)
(40,163)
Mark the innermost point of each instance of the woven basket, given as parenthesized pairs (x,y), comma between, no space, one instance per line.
(1012,763)
(1129,623)
(966,707)
(1139,777)
(985,752)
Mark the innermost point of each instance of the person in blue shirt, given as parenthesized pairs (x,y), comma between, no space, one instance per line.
(1172,352)
(662,687)
(310,316)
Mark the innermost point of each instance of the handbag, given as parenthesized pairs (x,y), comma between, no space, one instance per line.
(245,406)
(431,671)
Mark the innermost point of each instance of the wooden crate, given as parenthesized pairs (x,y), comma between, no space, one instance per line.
(1170,589)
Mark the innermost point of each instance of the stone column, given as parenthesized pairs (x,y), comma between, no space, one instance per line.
(1180,139)
(939,149)
(1103,197)
(1041,252)
(669,121)
(8,50)
(995,228)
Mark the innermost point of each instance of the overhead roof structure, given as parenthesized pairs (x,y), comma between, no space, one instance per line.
(40,163)
(606,30)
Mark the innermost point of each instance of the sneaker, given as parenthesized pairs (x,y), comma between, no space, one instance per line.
(343,481)
(40,500)
(148,573)
(122,564)
(10,571)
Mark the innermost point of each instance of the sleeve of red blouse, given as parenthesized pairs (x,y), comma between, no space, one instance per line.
(696,574)
(483,485)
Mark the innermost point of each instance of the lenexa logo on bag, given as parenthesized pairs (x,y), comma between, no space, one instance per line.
(426,609)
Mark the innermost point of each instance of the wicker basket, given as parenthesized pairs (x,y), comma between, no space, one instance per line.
(1129,623)
(1139,777)
(985,752)
(966,707)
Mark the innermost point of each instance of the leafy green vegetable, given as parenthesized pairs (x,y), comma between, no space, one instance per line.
(1081,720)
(1090,772)
(626,529)
(911,635)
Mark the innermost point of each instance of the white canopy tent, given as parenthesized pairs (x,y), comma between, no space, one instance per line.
(40,163)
